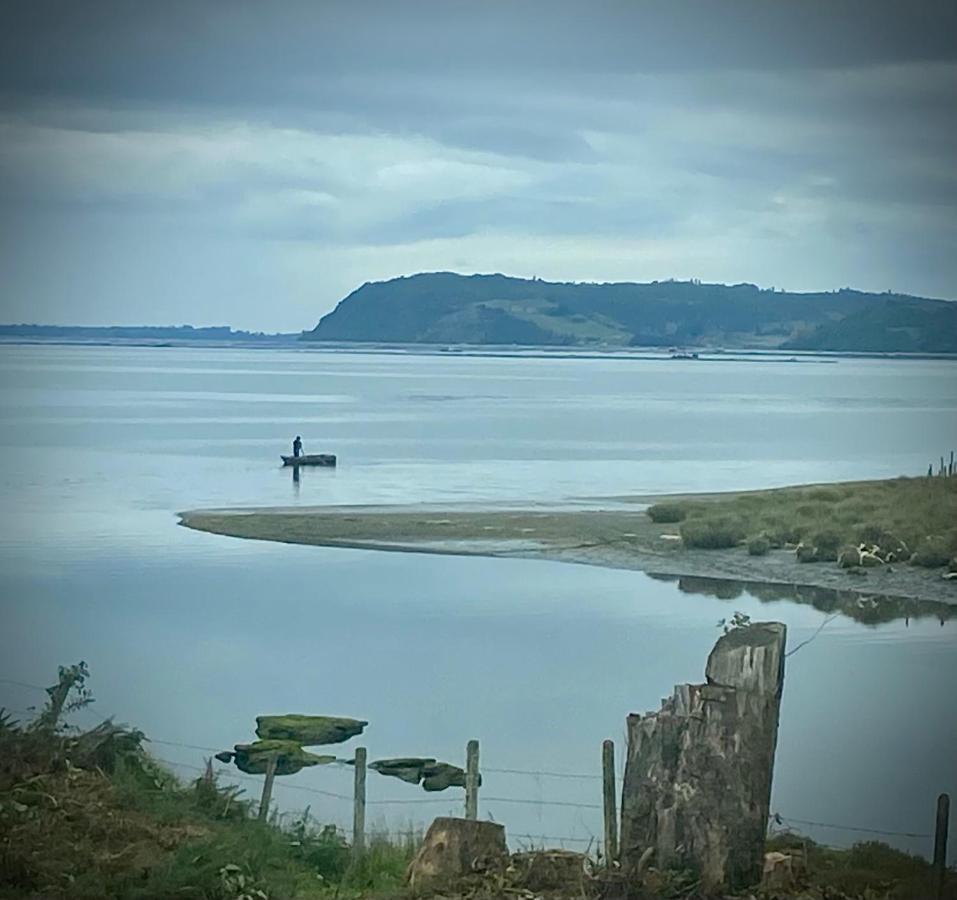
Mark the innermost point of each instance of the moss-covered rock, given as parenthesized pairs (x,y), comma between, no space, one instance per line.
(308,730)
(253,759)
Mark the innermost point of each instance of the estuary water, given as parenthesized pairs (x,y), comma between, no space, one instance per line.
(190,636)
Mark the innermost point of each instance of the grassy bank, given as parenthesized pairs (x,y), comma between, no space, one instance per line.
(912,519)
(91,815)
(748,537)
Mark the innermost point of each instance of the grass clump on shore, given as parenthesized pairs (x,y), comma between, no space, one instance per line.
(913,516)
(670,513)
(713,532)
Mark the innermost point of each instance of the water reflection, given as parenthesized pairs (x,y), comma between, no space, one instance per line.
(872,609)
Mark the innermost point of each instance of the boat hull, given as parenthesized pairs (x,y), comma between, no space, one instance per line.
(313,459)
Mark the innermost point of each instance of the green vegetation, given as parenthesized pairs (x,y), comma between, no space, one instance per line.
(713,532)
(912,519)
(935,550)
(669,513)
(447,308)
(899,324)
(92,815)
(869,869)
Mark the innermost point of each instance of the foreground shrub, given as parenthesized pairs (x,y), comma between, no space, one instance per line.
(758,545)
(712,534)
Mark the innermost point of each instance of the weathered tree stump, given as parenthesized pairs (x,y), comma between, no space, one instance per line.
(454,849)
(697,785)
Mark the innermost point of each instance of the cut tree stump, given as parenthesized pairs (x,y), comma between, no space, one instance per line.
(454,849)
(697,785)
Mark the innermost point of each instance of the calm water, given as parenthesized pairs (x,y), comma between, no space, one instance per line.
(190,636)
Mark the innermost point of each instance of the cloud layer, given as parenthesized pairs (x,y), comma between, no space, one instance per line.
(251,164)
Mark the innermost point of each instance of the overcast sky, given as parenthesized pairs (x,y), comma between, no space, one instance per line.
(251,163)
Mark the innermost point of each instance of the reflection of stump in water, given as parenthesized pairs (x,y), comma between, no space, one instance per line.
(870,609)
(697,786)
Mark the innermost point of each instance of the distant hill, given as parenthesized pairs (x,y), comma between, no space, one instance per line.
(150,333)
(447,308)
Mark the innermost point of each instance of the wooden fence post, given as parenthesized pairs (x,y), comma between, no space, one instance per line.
(471,779)
(267,787)
(359,804)
(940,843)
(608,796)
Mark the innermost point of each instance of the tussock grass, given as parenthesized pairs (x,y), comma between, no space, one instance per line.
(920,512)
(713,532)
(669,513)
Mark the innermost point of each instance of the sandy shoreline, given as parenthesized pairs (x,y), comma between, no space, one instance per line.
(614,533)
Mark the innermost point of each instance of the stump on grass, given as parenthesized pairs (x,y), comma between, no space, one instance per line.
(454,849)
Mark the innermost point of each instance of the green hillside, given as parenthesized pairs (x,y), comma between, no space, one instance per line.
(447,308)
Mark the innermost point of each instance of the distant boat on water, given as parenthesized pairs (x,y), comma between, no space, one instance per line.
(310,459)
(682,354)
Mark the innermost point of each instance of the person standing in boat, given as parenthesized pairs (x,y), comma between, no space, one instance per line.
(297,446)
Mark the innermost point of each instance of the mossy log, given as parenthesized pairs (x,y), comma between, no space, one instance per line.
(253,759)
(697,785)
(434,775)
(309,731)
(439,776)
(454,849)
(406,768)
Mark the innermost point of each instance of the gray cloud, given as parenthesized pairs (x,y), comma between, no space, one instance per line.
(251,164)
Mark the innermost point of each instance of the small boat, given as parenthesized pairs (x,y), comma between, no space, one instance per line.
(310,459)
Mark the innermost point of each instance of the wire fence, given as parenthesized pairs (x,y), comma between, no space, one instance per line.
(778,822)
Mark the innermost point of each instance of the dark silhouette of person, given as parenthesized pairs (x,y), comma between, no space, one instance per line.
(297,446)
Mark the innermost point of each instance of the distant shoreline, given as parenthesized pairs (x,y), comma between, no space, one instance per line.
(614,533)
(501,351)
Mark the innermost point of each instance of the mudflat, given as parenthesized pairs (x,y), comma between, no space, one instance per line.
(614,532)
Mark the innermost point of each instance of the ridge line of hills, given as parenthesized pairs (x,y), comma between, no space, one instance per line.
(449,308)
(442,308)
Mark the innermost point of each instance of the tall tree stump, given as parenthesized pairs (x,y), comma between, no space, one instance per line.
(454,849)
(697,785)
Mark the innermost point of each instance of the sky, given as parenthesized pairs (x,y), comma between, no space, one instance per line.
(251,163)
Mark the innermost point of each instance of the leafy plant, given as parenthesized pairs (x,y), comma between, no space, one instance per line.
(738,620)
